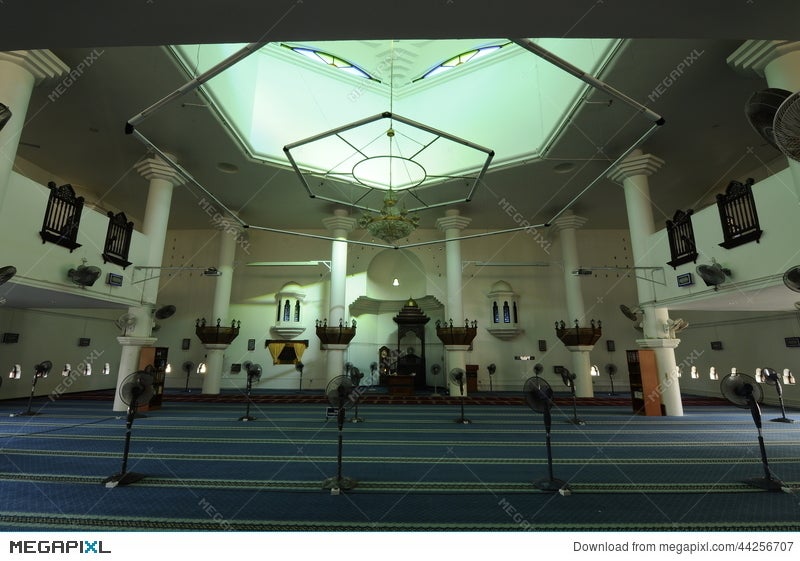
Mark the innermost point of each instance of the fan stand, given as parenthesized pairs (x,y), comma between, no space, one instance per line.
(435,387)
(611,378)
(551,484)
(125,477)
(247,416)
(339,482)
(462,419)
(28,412)
(574,420)
(782,418)
(767,483)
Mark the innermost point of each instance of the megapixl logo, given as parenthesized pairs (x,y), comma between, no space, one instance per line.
(56,546)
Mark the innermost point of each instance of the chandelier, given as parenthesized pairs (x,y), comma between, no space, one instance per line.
(391,223)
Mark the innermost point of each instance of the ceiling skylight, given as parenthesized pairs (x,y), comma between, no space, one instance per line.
(463,58)
(511,102)
(331,60)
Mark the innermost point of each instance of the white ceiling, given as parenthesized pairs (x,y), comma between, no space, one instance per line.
(705,142)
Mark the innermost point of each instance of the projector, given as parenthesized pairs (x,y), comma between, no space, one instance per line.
(212,272)
(580,272)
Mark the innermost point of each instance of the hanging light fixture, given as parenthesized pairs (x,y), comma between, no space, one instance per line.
(398,158)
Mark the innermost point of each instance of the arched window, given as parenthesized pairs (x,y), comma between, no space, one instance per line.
(287,311)
(788,377)
(694,373)
(506,313)
(297,310)
(712,373)
(594,371)
(758,376)
(495,313)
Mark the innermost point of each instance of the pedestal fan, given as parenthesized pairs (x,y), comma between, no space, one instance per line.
(253,376)
(456,376)
(539,397)
(435,369)
(188,366)
(341,395)
(743,391)
(611,370)
(356,376)
(299,367)
(569,380)
(492,368)
(40,370)
(772,377)
(135,391)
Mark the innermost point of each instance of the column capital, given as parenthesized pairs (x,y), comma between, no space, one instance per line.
(754,55)
(635,164)
(568,221)
(131,341)
(156,168)
(340,224)
(452,219)
(41,63)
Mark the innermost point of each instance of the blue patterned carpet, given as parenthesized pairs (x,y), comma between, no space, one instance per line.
(416,469)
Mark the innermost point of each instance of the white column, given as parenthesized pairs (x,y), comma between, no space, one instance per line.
(452,223)
(20,71)
(567,224)
(633,173)
(222,301)
(340,224)
(779,63)
(162,178)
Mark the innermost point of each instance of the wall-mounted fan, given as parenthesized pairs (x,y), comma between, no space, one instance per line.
(5,115)
(435,370)
(786,127)
(569,380)
(135,391)
(760,110)
(341,395)
(356,376)
(492,368)
(771,377)
(633,314)
(713,274)
(457,376)
(539,396)
(164,312)
(125,322)
(253,376)
(611,370)
(7,273)
(84,275)
(674,326)
(188,367)
(538,368)
(743,391)
(791,278)
(40,370)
